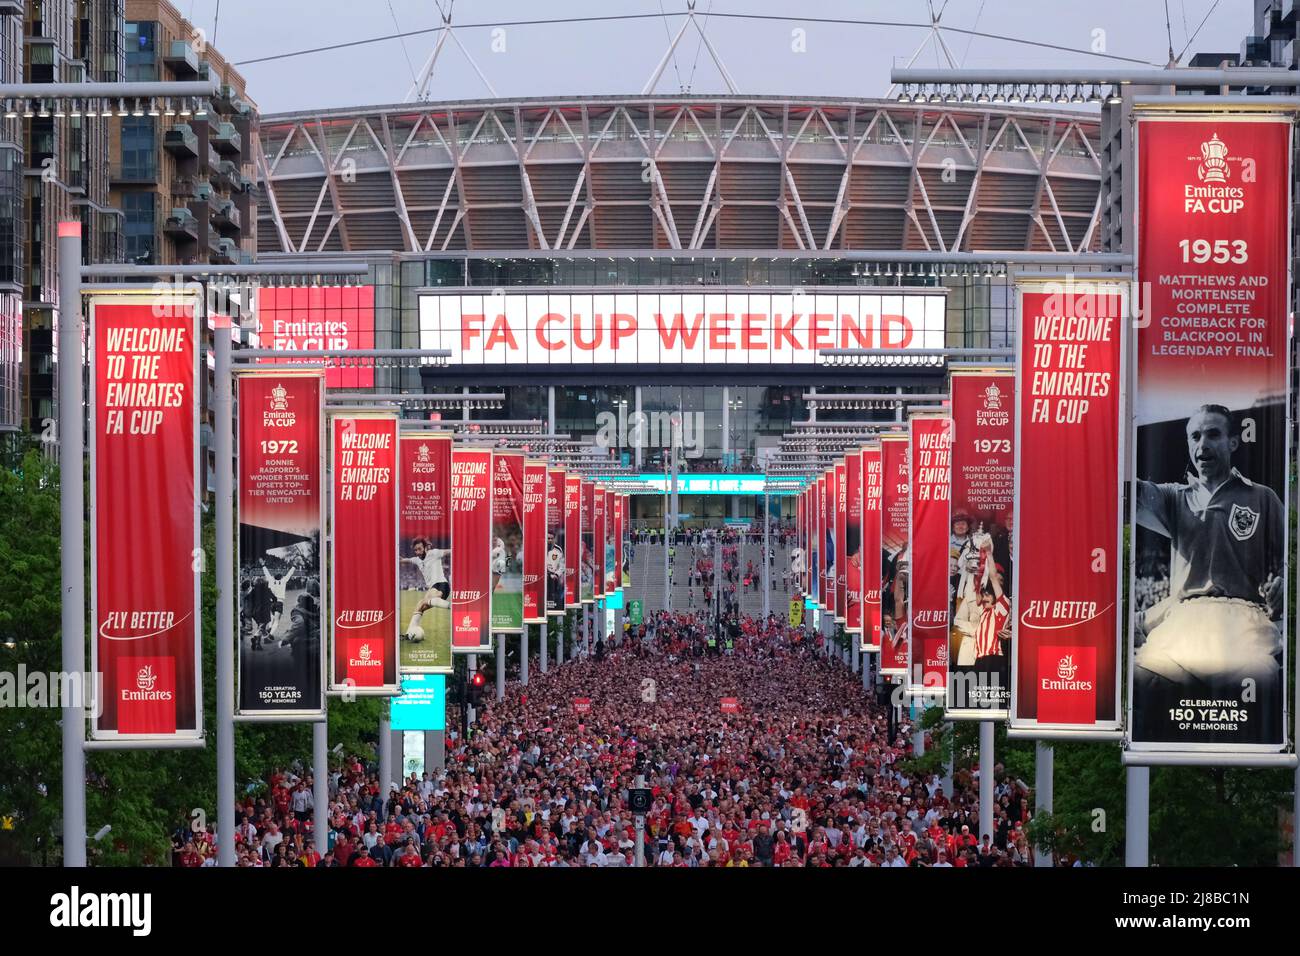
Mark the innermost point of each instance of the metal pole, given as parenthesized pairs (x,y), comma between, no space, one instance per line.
(223,416)
(986,778)
(471,665)
(385,754)
(640,429)
(866,671)
(501,667)
(855,648)
(638,853)
(1137,815)
(726,428)
(72,524)
(542,641)
(668,591)
(1044,779)
(767,545)
(320,784)
(523,657)
(559,638)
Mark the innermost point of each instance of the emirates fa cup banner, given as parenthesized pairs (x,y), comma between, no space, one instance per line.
(871,468)
(363,562)
(621,503)
(281,513)
(587,566)
(145,554)
(799,553)
(825,546)
(1067,526)
(572,541)
(1208,666)
(930,458)
(841,531)
(507,543)
(894,556)
(612,573)
(853,542)
(555,578)
(814,590)
(534,542)
(979,554)
(471,558)
(424,553)
(598,539)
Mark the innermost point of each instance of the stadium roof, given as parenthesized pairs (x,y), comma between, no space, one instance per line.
(679,173)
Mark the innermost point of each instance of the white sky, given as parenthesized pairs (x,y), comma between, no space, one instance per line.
(618,57)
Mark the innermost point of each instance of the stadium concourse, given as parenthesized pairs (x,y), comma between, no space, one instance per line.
(805,773)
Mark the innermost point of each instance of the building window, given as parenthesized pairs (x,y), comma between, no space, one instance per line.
(139,148)
(138,229)
(141,53)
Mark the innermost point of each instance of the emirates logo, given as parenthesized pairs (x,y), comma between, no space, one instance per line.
(363,653)
(1066,668)
(1213,167)
(467,622)
(145,678)
(941,653)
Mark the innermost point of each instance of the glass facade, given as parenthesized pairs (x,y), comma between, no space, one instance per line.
(141,51)
(139,229)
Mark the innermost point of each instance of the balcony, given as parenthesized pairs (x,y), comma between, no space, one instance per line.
(226,139)
(133,174)
(182,226)
(227,251)
(184,186)
(181,59)
(228,174)
(12,9)
(226,217)
(181,141)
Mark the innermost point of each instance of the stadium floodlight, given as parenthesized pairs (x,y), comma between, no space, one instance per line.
(1113,98)
(1031,94)
(905,94)
(1014,95)
(998,95)
(983,96)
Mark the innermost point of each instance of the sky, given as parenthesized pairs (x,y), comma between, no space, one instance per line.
(777,55)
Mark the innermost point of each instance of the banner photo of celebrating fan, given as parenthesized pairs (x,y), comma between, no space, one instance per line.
(281,669)
(1208,653)
(853,542)
(980,566)
(363,553)
(1067,530)
(572,549)
(424,552)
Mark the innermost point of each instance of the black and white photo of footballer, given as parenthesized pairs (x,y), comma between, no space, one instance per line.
(279,621)
(1209,588)
(554,571)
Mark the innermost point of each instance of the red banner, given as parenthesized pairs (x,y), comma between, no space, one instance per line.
(620,518)
(611,550)
(281,515)
(363,562)
(587,522)
(841,543)
(980,568)
(471,564)
(894,557)
(930,457)
(598,538)
(320,317)
(870,546)
(825,546)
(1209,662)
(572,540)
(730,705)
(554,542)
(534,542)
(582,705)
(853,542)
(1067,525)
(145,555)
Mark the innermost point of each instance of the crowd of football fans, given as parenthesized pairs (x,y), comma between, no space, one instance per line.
(804,773)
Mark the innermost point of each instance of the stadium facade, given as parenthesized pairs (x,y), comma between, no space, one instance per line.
(601,200)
